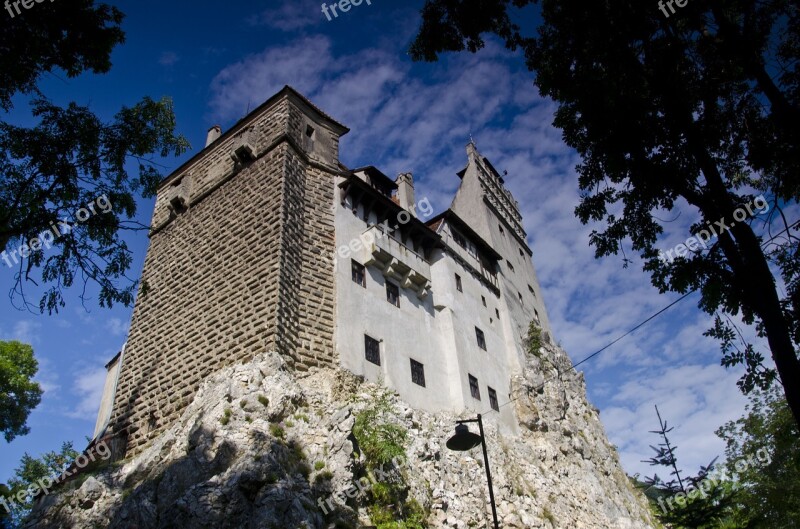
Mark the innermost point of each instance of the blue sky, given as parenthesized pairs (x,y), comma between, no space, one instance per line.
(216,60)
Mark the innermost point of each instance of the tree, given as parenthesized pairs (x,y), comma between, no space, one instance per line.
(698,502)
(64,182)
(19,394)
(770,492)
(31,472)
(696,108)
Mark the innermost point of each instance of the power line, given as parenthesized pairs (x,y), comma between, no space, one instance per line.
(596,353)
(795,224)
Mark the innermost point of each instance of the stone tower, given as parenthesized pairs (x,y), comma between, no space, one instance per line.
(233,264)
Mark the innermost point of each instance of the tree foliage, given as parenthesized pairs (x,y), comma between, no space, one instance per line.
(19,394)
(70,157)
(697,109)
(770,490)
(33,469)
(698,501)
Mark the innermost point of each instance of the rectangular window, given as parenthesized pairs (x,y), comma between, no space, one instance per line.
(460,240)
(483,300)
(459,286)
(372,350)
(536,314)
(493,400)
(497,311)
(520,298)
(359,274)
(392,294)
(417,373)
(473,388)
(481,338)
(521,254)
(532,291)
(502,232)
(510,266)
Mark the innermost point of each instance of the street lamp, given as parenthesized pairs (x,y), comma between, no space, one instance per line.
(465,440)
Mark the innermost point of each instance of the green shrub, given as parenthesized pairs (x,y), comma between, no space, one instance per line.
(319,465)
(381,441)
(226,416)
(277,431)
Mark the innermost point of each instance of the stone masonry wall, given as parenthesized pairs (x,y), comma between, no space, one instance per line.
(237,274)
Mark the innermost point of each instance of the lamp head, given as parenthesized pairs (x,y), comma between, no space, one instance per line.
(463,439)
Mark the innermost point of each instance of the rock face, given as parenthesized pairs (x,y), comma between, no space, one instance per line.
(261,448)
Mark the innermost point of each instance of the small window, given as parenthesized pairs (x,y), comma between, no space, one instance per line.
(497,311)
(372,350)
(481,338)
(536,314)
(521,253)
(502,231)
(493,400)
(510,266)
(392,294)
(532,291)
(460,240)
(473,388)
(520,298)
(417,373)
(459,286)
(309,132)
(359,274)
(483,300)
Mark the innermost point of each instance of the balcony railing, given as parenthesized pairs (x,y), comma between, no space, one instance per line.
(396,260)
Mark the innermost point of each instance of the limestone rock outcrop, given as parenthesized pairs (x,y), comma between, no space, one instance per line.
(259,447)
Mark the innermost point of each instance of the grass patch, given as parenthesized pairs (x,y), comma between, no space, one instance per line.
(226,417)
(263,400)
(277,431)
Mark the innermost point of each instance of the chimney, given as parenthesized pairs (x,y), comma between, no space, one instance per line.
(405,192)
(213,134)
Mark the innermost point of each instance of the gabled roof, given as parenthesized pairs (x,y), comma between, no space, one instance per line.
(462,226)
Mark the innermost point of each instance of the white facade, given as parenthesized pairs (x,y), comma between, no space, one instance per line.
(454,276)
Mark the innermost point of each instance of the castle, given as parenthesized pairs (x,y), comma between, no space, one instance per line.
(265,241)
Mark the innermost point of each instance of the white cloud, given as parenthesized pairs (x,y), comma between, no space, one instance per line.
(89,388)
(290,16)
(117,327)
(402,121)
(168,58)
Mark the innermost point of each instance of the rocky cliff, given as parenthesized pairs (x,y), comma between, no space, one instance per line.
(259,447)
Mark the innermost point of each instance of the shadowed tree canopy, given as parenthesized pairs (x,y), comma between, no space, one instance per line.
(700,109)
(70,158)
(19,394)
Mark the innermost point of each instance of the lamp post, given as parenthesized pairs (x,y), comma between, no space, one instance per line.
(465,440)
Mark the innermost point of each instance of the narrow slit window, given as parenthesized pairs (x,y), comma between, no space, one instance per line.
(417,373)
(372,350)
(392,294)
(493,400)
(459,286)
(474,390)
(481,338)
(483,300)
(359,274)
